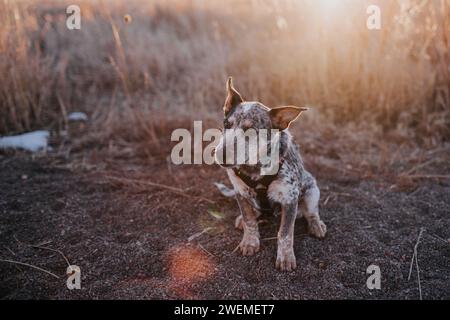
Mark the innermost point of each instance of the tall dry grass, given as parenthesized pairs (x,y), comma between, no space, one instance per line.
(172,59)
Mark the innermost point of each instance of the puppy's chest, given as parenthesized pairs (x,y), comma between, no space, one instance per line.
(260,200)
(264,204)
(255,189)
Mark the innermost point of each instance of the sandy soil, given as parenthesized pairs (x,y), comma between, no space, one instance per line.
(131,240)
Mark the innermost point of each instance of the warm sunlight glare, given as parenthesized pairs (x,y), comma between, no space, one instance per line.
(331,8)
(189,264)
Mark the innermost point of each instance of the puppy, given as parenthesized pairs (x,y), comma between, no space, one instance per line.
(280,191)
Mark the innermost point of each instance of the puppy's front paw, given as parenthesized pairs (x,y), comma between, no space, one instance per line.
(317,228)
(286,260)
(249,244)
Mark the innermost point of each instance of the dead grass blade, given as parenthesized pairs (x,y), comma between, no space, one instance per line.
(414,258)
(198,234)
(428,176)
(51,249)
(31,266)
(178,191)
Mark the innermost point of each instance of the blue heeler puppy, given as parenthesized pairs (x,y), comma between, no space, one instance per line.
(281,192)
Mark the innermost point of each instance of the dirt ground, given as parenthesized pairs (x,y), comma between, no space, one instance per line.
(134,240)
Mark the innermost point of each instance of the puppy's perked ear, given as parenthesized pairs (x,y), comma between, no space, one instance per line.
(233,97)
(282,117)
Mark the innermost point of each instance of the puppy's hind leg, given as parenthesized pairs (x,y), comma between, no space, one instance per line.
(310,209)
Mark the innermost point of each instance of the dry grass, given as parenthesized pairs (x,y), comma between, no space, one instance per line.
(172,58)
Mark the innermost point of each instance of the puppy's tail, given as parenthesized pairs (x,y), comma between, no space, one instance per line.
(227,192)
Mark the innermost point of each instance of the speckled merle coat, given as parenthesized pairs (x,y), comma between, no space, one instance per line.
(283,192)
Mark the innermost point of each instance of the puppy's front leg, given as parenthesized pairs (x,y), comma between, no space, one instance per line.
(285,252)
(250,241)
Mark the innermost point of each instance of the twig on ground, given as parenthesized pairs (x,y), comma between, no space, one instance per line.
(26,244)
(335,195)
(326,200)
(295,236)
(414,253)
(178,191)
(271,238)
(201,247)
(51,249)
(428,176)
(414,257)
(436,237)
(419,166)
(439,150)
(42,246)
(31,266)
(12,252)
(198,234)
(418,277)
(414,192)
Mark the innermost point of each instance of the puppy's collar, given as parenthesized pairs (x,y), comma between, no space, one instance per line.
(260,184)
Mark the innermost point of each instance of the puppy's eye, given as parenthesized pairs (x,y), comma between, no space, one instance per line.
(227,124)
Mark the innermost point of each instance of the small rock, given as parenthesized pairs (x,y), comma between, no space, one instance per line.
(77,116)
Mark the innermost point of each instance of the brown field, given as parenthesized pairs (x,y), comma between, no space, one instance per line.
(377,137)
(174,56)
